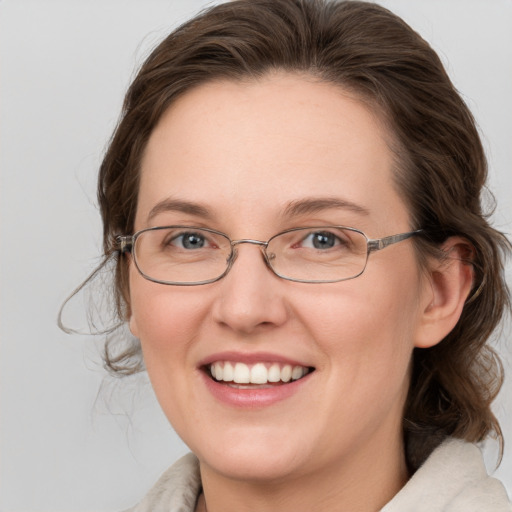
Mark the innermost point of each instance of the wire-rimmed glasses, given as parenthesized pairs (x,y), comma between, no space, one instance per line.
(188,255)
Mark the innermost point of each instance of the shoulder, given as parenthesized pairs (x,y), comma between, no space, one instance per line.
(452,479)
(176,490)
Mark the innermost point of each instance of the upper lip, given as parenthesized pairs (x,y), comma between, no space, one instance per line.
(251,358)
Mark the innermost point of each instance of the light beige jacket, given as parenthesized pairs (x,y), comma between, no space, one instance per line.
(452,479)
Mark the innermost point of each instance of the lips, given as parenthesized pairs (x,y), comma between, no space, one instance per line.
(258,373)
(253,380)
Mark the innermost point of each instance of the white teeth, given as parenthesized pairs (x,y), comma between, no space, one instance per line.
(286,373)
(218,371)
(274,373)
(242,374)
(297,372)
(259,373)
(228,372)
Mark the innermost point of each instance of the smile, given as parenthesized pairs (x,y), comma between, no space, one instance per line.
(259,373)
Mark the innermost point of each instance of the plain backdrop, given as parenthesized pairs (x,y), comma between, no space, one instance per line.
(72,440)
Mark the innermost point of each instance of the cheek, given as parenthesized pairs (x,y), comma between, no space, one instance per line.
(368,325)
(165,319)
(167,322)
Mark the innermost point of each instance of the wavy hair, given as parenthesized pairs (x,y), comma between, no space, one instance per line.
(441,170)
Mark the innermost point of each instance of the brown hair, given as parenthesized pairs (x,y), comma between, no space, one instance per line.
(441,169)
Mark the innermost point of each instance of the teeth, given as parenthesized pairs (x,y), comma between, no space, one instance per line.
(218,371)
(242,373)
(297,372)
(228,372)
(286,373)
(260,373)
(274,373)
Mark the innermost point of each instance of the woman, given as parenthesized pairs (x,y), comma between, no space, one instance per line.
(293,194)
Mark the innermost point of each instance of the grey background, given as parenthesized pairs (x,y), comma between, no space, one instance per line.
(65,443)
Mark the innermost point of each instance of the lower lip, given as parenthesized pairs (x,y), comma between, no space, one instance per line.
(254,397)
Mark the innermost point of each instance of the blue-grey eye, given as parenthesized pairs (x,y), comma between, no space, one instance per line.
(189,241)
(320,240)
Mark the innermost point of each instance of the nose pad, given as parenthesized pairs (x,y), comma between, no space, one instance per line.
(232,258)
(268,257)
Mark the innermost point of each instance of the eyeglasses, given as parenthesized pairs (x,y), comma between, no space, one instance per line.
(187,256)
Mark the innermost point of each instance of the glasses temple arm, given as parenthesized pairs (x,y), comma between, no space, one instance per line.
(123,244)
(382,243)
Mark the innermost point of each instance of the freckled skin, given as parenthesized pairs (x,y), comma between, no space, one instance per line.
(245,150)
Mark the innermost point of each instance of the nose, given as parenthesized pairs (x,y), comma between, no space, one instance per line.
(250,297)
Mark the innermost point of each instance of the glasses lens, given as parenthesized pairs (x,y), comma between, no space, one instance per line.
(181,254)
(318,254)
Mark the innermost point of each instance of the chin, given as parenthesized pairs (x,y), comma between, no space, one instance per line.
(254,456)
(255,465)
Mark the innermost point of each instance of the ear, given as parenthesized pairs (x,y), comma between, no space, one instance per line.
(451,280)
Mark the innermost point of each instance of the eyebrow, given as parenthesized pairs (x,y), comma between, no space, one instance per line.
(317,204)
(295,208)
(179,205)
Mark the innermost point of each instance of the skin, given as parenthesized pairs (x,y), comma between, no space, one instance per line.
(245,151)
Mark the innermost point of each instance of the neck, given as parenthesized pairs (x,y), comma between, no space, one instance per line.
(364,484)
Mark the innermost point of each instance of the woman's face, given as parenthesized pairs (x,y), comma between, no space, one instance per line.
(252,159)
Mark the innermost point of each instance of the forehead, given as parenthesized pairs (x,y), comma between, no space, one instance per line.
(250,149)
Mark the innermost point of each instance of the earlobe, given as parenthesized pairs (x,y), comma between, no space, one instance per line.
(451,280)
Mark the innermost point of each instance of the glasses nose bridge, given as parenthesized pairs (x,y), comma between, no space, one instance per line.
(234,243)
(263,246)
